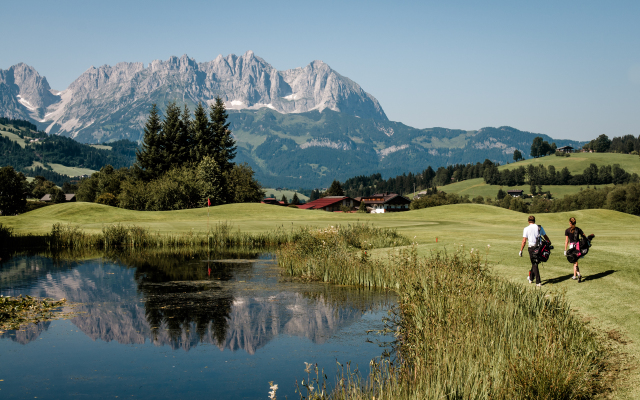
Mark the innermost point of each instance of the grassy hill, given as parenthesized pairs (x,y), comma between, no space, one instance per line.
(576,165)
(607,298)
(579,161)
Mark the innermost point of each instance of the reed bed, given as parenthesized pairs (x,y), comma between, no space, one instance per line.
(221,235)
(460,332)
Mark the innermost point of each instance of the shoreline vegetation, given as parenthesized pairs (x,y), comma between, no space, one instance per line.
(460,330)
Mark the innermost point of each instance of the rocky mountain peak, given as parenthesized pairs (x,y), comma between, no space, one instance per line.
(128,89)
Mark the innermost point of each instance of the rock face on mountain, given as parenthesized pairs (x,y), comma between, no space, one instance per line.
(24,94)
(112,102)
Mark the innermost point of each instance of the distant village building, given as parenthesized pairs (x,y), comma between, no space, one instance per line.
(69,197)
(515,193)
(331,203)
(565,149)
(385,202)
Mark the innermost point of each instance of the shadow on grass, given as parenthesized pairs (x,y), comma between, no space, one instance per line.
(598,275)
(558,279)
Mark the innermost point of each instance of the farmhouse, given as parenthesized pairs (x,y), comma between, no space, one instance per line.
(385,202)
(565,149)
(331,203)
(515,193)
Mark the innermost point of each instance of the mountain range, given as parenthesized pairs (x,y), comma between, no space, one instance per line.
(301,127)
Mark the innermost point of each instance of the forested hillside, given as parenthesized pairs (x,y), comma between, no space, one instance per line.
(32,152)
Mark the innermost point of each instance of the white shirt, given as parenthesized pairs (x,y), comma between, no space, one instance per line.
(531,233)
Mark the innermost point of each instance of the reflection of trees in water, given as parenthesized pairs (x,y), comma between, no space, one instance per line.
(182,309)
(186,301)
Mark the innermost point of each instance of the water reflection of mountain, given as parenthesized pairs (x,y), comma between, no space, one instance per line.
(182,302)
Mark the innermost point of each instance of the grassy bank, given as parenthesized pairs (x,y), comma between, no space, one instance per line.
(461,332)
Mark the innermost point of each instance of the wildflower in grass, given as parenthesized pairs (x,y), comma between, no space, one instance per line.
(307,367)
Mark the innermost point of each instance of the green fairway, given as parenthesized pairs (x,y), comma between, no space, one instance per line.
(476,187)
(608,297)
(576,164)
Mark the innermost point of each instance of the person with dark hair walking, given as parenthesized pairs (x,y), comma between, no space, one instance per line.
(572,238)
(531,234)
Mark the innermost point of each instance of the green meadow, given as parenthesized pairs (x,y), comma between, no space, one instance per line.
(576,164)
(607,298)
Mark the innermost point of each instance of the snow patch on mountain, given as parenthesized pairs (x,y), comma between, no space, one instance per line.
(493,143)
(385,152)
(326,143)
(387,131)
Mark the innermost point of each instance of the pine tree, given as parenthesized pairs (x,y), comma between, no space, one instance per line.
(225,145)
(184,141)
(335,189)
(13,191)
(295,200)
(171,129)
(203,143)
(149,156)
(284,200)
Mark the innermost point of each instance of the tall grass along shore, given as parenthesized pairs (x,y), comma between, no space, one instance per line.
(461,332)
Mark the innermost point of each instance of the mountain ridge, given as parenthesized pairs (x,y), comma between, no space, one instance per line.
(128,89)
(301,127)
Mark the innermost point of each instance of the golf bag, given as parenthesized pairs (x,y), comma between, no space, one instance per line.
(580,249)
(542,251)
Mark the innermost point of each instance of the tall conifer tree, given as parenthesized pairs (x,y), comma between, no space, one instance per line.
(171,129)
(185,139)
(203,143)
(225,145)
(149,156)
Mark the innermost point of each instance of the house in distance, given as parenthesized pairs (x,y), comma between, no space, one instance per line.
(385,202)
(331,203)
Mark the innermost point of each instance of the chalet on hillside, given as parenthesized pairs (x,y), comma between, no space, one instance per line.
(68,197)
(331,203)
(515,193)
(385,202)
(565,149)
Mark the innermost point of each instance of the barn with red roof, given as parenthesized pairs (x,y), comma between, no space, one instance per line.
(331,203)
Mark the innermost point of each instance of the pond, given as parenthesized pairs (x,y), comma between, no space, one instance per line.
(181,326)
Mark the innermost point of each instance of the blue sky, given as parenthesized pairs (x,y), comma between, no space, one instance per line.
(569,70)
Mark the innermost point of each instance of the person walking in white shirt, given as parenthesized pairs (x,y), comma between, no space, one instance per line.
(531,235)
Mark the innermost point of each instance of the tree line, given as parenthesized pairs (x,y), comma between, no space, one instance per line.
(627,144)
(408,183)
(541,175)
(183,162)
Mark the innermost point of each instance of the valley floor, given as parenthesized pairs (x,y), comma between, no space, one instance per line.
(608,297)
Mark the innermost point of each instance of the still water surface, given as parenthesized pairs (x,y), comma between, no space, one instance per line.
(166,327)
